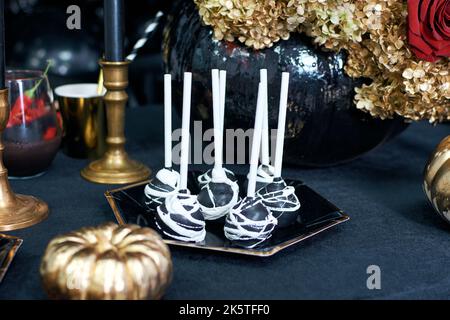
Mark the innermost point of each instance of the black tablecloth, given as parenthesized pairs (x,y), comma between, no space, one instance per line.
(391,226)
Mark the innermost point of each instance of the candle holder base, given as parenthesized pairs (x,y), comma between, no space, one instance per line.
(25,211)
(115,169)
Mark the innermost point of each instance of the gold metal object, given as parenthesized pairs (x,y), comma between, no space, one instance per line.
(108,262)
(16,211)
(84,126)
(115,167)
(8,248)
(437,179)
(230,249)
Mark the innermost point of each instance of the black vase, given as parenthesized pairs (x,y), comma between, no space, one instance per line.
(323,127)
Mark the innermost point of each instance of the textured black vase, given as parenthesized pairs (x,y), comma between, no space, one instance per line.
(323,125)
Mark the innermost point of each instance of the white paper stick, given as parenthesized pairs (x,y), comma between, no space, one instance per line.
(281,123)
(256,144)
(185,130)
(265,129)
(167,120)
(217,117)
(223,86)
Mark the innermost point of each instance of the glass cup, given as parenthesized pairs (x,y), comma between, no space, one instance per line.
(33,133)
(84,120)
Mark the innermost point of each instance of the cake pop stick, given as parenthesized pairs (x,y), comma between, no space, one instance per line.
(281,123)
(206,177)
(277,196)
(265,128)
(256,143)
(223,89)
(166,180)
(180,216)
(167,121)
(265,170)
(186,117)
(220,193)
(250,223)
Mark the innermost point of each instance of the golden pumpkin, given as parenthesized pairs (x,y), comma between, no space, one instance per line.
(107,262)
(437,179)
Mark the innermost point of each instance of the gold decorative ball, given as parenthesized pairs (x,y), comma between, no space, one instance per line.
(108,262)
(437,179)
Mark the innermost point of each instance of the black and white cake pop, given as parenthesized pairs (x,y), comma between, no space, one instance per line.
(164,184)
(180,216)
(166,180)
(205,178)
(250,223)
(277,196)
(281,200)
(220,194)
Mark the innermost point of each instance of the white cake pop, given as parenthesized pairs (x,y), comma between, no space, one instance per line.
(166,180)
(180,216)
(277,196)
(250,223)
(220,194)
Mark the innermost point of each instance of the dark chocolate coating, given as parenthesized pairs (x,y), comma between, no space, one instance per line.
(269,195)
(153,202)
(254,210)
(222,194)
(180,219)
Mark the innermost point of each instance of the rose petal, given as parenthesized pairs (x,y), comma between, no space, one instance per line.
(444,52)
(423,11)
(416,41)
(413,16)
(432,19)
(443,21)
(427,36)
(419,54)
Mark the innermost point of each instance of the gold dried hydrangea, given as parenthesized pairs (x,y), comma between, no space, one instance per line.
(374,34)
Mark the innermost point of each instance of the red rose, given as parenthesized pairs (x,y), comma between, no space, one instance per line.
(429,28)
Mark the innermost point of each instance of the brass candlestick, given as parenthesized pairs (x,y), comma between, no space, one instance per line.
(16,211)
(115,167)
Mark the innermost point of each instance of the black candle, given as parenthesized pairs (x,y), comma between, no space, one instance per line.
(113,16)
(2,44)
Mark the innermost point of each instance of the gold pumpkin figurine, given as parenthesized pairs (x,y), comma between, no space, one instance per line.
(108,262)
(437,179)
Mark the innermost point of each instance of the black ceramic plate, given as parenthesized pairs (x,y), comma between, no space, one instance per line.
(8,248)
(317,214)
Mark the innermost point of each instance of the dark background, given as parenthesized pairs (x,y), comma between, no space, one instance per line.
(36,31)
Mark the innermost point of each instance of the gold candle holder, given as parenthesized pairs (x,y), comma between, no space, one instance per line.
(16,211)
(115,167)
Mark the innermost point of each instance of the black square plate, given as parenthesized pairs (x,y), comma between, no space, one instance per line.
(317,215)
(8,248)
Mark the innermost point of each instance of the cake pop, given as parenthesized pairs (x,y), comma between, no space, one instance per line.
(277,196)
(166,180)
(220,194)
(180,216)
(205,178)
(249,223)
